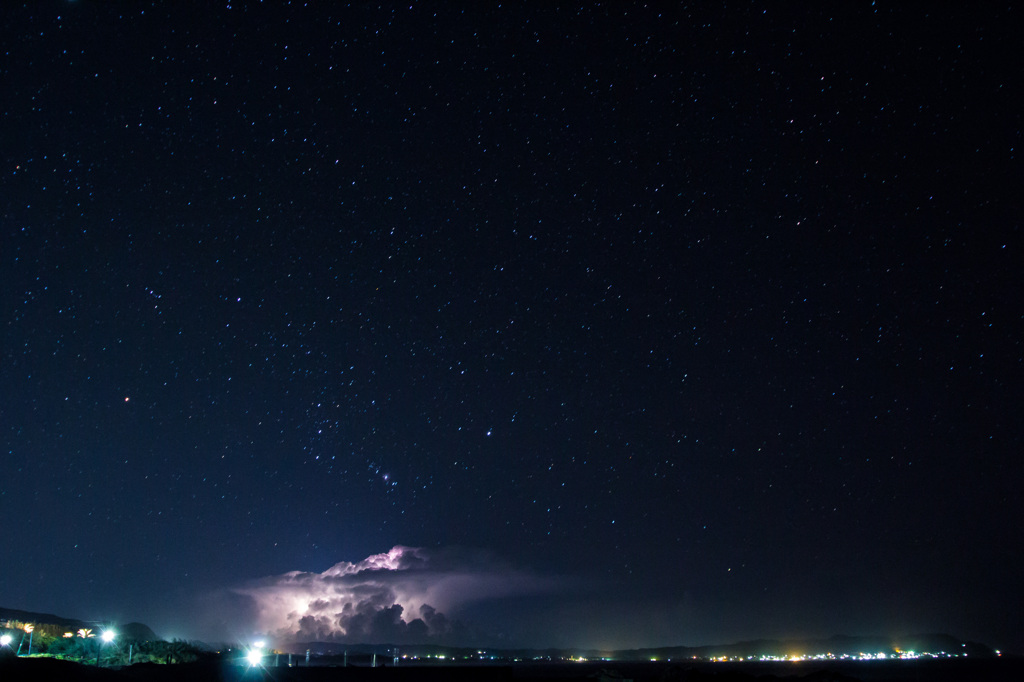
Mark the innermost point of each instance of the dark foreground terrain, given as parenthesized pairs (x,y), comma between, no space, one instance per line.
(1004,669)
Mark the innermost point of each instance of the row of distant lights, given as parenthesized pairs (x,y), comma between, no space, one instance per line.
(108,636)
(255,655)
(903,655)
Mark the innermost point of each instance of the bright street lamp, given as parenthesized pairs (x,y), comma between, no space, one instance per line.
(107,637)
(5,640)
(254,657)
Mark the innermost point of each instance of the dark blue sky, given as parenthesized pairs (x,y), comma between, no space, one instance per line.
(649,325)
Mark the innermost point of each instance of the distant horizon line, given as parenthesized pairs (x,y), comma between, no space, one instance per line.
(7,615)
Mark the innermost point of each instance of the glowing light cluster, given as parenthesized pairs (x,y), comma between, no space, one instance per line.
(829,656)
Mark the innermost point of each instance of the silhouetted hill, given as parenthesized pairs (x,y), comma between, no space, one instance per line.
(129,631)
(34,617)
(139,632)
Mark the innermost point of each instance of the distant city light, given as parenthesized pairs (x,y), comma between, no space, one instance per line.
(829,656)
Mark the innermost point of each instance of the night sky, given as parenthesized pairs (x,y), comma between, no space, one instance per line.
(604,325)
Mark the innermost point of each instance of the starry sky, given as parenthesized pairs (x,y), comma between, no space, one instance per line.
(517,324)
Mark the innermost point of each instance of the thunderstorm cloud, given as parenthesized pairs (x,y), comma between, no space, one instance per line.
(400,596)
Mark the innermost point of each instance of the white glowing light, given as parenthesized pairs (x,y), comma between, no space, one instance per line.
(108,636)
(5,640)
(254,657)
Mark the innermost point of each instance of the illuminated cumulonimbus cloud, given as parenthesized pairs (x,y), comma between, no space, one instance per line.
(398,596)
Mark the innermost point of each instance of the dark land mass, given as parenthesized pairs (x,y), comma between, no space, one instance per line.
(48,618)
(1003,669)
(342,662)
(328,653)
(139,632)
